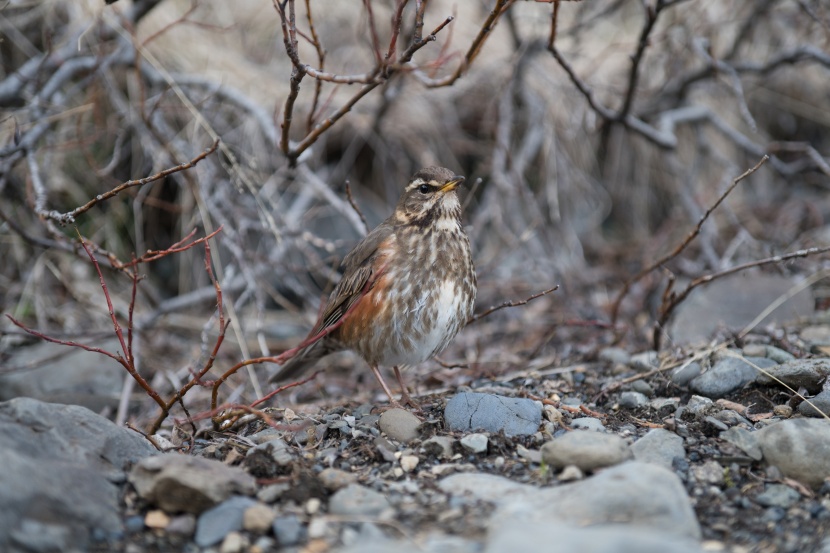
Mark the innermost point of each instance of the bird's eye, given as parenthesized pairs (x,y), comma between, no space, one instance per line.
(424,189)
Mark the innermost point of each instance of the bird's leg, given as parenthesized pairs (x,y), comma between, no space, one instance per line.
(406,399)
(385,386)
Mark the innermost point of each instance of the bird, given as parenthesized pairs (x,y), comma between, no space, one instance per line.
(405,290)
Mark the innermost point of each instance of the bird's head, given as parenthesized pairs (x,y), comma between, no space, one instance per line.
(429,196)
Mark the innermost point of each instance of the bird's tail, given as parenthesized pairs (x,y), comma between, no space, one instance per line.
(302,361)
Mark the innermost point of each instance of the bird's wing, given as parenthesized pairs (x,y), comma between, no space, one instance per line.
(358,269)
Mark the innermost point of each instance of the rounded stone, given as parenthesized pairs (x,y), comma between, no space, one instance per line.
(586,450)
(400,425)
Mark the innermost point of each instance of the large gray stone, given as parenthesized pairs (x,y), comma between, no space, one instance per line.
(59,463)
(527,536)
(493,413)
(807,373)
(800,448)
(633,493)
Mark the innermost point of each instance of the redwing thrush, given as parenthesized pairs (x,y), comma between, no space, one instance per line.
(406,289)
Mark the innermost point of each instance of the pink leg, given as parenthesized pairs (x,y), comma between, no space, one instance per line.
(406,399)
(385,386)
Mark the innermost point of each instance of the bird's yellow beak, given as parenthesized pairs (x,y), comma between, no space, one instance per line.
(451,185)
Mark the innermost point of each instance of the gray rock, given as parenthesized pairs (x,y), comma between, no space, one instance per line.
(588,423)
(800,448)
(727,375)
(699,405)
(493,413)
(659,447)
(288,530)
(400,425)
(183,525)
(643,387)
(710,472)
(276,449)
(633,493)
(744,439)
(440,446)
(586,450)
(632,400)
(485,487)
(59,463)
(685,373)
(182,483)
(475,443)
(355,499)
(62,374)
(771,352)
(809,373)
(645,361)
(818,406)
(778,495)
(525,536)
(216,523)
(617,356)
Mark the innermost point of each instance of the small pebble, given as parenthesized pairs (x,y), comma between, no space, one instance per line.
(333,479)
(233,543)
(258,518)
(156,519)
(632,400)
(783,410)
(476,443)
(570,473)
(409,462)
(400,425)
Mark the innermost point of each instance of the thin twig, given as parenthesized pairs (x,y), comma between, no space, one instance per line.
(69,217)
(511,304)
(356,208)
(686,241)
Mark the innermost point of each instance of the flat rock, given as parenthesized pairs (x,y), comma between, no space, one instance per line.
(633,493)
(400,425)
(59,463)
(800,448)
(778,495)
(182,483)
(216,523)
(728,374)
(493,413)
(526,536)
(809,373)
(586,450)
(632,400)
(333,479)
(659,447)
(355,499)
(818,406)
